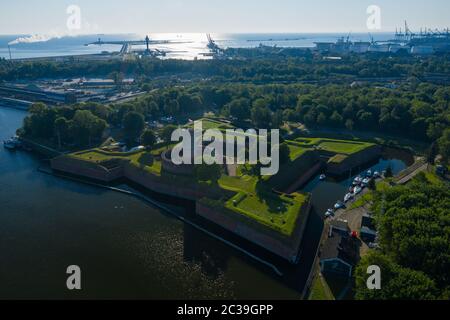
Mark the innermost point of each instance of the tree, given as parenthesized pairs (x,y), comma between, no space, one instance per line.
(277,119)
(349,124)
(389,173)
(444,144)
(284,153)
(432,153)
(172,107)
(322,119)
(166,134)
(336,119)
(40,121)
(372,184)
(396,282)
(133,124)
(86,127)
(148,139)
(261,117)
(239,108)
(412,224)
(61,129)
(117,77)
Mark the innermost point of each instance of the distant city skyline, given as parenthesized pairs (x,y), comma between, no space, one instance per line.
(231,16)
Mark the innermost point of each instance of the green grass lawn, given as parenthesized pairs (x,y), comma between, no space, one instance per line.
(277,212)
(295,151)
(208,123)
(433,178)
(320,290)
(141,159)
(243,183)
(346,147)
(343,147)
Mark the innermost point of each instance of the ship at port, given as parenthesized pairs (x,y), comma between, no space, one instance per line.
(424,42)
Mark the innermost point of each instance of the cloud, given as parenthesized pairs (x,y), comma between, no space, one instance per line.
(35,38)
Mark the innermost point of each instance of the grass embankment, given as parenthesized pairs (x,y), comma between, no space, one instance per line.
(339,150)
(141,159)
(320,290)
(255,199)
(209,123)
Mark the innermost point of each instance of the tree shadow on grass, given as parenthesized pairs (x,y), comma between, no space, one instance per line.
(338,285)
(273,200)
(146,159)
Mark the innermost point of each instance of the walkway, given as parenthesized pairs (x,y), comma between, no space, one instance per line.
(411,172)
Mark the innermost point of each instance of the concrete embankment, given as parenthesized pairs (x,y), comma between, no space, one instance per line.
(355,160)
(303,179)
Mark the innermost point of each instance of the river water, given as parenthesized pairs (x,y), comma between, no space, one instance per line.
(125,247)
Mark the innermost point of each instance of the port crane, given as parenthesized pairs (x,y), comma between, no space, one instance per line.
(212,45)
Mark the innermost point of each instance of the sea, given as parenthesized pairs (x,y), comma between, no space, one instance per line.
(186,46)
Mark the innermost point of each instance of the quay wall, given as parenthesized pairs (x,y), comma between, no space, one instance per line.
(354,160)
(86,169)
(283,246)
(304,178)
(163,186)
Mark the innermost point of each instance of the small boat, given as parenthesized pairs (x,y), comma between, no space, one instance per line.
(322,177)
(358,190)
(329,213)
(348,197)
(376,174)
(339,205)
(369,174)
(10,144)
(357,180)
(365,182)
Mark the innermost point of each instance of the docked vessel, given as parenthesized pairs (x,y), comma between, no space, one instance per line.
(348,197)
(365,182)
(12,143)
(339,205)
(329,213)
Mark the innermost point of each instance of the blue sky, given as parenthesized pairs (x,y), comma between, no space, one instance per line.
(217,16)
